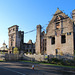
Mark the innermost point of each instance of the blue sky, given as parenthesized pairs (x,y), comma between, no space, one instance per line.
(27,14)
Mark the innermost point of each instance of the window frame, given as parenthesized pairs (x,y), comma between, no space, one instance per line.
(52,39)
(63,42)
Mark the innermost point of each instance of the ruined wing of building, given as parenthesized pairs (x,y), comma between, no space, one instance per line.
(16,39)
(59,38)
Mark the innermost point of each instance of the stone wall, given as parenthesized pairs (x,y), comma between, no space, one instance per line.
(11,57)
(34,57)
(46,57)
(38,40)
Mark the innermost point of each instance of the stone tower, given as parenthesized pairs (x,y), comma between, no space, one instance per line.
(16,37)
(73,16)
(38,39)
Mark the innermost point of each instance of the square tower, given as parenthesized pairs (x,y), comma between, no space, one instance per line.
(16,37)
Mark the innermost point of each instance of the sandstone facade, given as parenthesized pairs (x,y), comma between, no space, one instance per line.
(16,39)
(59,38)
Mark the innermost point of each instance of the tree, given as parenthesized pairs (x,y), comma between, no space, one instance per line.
(15,51)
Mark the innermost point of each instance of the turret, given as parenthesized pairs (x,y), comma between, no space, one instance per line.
(38,40)
(73,16)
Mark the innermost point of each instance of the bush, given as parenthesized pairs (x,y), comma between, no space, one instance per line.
(59,63)
(53,60)
(15,51)
(30,52)
(26,52)
(62,62)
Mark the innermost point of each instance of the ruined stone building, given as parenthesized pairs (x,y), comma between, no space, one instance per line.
(59,38)
(29,47)
(16,39)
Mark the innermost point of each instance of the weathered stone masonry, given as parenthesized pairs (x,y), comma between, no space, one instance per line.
(59,37)
(16,39)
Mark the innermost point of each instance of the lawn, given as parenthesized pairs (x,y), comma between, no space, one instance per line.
(45,63)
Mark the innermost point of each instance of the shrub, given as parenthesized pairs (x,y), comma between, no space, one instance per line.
(15,51)
(26,52)
(30,52)
(53,62)
(55,59)
(62,62)
(59,63)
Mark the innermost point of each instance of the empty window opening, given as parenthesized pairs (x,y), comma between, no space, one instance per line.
(33,50)
(27,46)
(53,40)
(44,44)
(27,50)
(11,43)
(69,33)
(30,50)
(57,25)
(56,51)
(13,29)
(63,39)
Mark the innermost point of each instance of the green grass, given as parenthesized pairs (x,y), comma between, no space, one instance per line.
(48,64)
(58,65)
